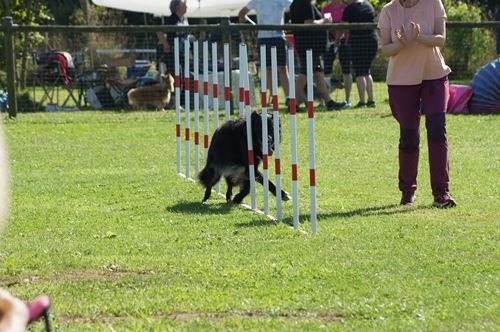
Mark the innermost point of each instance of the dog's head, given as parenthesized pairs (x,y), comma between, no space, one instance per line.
(257,132)
(168,80)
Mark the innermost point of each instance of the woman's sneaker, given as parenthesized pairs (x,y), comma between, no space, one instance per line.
(444,201)
(408,198)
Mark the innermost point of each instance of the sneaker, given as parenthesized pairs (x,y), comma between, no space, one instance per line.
(371,103)
(347,104)
(360,105)
(408,198)
(444,201)
(332,105)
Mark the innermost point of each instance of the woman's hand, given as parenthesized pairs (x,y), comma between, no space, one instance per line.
(403,37)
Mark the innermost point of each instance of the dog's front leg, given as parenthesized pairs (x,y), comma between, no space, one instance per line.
(272,188)
(244,190)
(229,192)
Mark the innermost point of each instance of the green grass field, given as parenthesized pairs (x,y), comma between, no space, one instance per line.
(101,222)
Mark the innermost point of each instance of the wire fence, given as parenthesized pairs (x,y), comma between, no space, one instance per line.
(49,68)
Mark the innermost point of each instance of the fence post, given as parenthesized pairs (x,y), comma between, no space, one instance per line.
(226,34)
(10,64)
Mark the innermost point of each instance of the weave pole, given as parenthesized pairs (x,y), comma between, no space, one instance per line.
(276,124)
(293,130)
(227,83)
(265,143)
(196,91)
(205,101)
(177,104)
(215,95)
(312,157)
(186,107)
(241,90)
(248,114)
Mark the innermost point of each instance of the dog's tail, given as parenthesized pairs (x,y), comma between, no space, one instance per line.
(205,176)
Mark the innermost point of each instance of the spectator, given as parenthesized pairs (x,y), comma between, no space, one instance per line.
(304,12)
(412,31)
(335,9)
(364,45)
(271,12)
(165,47)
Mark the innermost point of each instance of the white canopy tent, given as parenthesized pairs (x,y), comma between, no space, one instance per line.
(196,8)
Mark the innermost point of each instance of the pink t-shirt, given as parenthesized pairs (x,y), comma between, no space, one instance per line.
(336,12)
(415,62)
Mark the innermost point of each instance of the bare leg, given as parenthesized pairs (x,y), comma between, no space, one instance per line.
(369,87)
(348,86)
(319,79)
(300,83)
(284,80)
(360,82)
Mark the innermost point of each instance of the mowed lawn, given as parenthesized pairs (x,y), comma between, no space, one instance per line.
(101,222)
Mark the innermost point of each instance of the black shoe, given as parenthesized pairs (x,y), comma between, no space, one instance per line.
(360,105)
(371,103)
(298,109)
(332,105)
(408,198)
(444,201)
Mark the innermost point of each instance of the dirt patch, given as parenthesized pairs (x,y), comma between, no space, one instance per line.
(107,274)
(215,316)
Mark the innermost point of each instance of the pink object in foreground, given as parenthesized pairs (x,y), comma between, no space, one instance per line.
(38,308)
(459,99)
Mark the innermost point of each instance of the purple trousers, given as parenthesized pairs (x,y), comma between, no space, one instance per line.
(407,103)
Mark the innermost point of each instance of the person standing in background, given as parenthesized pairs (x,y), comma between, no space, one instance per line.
(335,9)
(412,31)
(304,12)
(364,46)
(165,48)
(271,12)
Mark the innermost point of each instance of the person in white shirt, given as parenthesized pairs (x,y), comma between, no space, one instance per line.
(271,12)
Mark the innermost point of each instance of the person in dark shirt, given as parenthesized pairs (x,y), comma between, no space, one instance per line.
(165,48)
(364,45)
(304,12)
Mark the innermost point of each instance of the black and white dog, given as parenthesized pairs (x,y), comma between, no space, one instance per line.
(227,157)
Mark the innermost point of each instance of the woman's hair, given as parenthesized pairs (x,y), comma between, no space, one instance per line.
(174,4)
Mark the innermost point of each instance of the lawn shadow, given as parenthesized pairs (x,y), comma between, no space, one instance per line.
(189,207)
(381,210)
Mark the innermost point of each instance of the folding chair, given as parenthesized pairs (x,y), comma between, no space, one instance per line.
(55,69)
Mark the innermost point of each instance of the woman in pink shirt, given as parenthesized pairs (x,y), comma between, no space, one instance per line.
(335,8)
(412,31)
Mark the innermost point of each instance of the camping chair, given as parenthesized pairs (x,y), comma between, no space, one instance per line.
(55,69)
(108,67)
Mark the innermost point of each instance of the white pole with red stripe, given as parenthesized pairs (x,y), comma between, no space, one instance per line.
(227,82)
(177,104)
(196,90)
(265,143)
(276,124)
(312,157)
(241,90)
(215,95)
(205,100)
(187,106)
(248,114)
(293,129)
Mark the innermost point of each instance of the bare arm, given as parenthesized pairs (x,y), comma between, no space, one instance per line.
(439,36)
(320,21)
(163,41)
(388,47)
(243,12)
